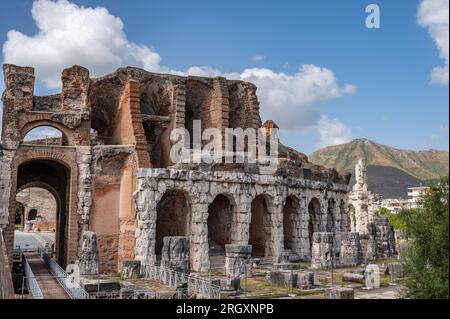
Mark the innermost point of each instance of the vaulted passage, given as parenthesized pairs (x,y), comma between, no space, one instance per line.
(260,234)
(53,177)
(314,219)
(173,217)
(220,223)
(289,213)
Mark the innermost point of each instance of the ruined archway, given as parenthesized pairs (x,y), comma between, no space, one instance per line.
(290,210)
(220,224)
(173,217)
(331,211)
(45,135)
(260,226)
(314,219)
(53,177)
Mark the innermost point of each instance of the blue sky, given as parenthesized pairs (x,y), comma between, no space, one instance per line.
(392,101)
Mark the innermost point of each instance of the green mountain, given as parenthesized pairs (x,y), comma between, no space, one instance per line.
(423,165)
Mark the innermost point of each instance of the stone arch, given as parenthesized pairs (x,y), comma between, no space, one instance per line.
(52,160)
(331,216)
(290,215)
(260,233)
(197,107)
(314,218)
(221,220)
(156,108)
(173,216)
(67,133)
(32,214)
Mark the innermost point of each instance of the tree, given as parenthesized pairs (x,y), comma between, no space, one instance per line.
(19,212)
(426,261)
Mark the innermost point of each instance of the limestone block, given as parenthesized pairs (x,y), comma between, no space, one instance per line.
(131,269)
(283,278)
(176,254)
(88,260)
(351,277)
(340,293)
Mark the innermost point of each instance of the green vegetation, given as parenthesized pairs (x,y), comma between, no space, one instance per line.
(19,211)
(426,263)
(399,220)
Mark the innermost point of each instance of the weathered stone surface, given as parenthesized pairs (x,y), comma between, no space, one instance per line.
(176,253)
(283,278)
(237,263)
(99,285)
(88,260)
(305,279)
(340,293)
(131,269)
(353,278)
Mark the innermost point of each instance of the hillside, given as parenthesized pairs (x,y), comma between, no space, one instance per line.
(389,182)
(422,165)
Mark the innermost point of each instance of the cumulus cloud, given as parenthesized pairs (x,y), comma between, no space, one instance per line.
(433,15)
(333,132)
(288,99)
(71,34)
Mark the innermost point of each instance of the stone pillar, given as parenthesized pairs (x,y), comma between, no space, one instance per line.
(88,260)
(305,252)
(276,232)
(131,269)
(199,237)
(236,258)
(145,205)
(176,254)
(322,248)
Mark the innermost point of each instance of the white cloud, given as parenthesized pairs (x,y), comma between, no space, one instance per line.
(70,34)
(333,132)
(258,58)
(287,99)
(433,15)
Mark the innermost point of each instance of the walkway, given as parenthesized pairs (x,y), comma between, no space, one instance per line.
(50,287)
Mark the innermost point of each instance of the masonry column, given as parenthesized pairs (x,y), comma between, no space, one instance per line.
(199,237)
(145,205)
(243,217)
(277,234)
(304,249)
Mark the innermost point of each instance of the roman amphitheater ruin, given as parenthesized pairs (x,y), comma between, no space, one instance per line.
(121,200)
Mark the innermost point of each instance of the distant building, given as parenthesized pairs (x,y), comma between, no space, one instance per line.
(396,204)
(415,194)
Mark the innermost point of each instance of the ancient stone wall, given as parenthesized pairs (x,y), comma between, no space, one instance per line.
(201,188)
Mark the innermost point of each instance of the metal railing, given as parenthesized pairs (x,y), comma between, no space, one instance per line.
(6,284)
(69,283)
(198,286)
(32,284)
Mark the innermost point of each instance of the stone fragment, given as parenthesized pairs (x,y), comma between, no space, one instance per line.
(88,259)
(360,279)
(131,269)
(340,293)
(176,254)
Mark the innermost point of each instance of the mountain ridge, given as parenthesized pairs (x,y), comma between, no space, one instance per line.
(422,165)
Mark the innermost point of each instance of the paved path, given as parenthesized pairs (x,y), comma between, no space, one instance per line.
(50,287)
(32,239)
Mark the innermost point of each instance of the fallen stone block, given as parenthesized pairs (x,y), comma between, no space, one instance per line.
(360,279)
(305,280)
(93,285)
(283,278)
(131,269)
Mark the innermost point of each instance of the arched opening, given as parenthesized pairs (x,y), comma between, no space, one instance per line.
(331,215)
(46,184)
(197,107)
(173,217)
(156,106)
(45,135)
(260,232)
(345,218)
(314,219)
(220,221)
(32,214)
(289,211)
